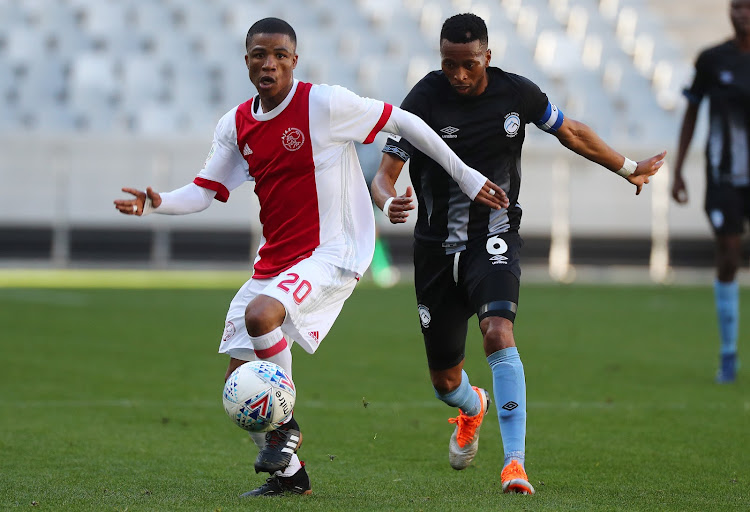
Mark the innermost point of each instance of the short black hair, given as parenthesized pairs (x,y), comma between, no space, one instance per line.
(464,28)
(271,26)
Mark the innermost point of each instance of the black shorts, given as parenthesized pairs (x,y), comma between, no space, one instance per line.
(727,208)
(481,280)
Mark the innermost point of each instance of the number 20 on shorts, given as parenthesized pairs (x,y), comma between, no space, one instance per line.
(301,291)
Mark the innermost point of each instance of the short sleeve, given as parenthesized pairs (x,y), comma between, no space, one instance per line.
(225,169)
(535,102)
(699,87)
(356,118)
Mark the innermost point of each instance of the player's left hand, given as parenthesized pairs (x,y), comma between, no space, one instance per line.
(493,196)
(646,169)
(135,205)
(398,210)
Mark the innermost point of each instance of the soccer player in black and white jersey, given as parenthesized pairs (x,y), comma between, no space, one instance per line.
(466,257)
(723,74)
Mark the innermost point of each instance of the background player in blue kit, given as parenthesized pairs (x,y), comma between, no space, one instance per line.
(467,257)
(723,74)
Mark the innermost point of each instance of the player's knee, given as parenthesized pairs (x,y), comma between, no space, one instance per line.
(498,335)
(261,317)
(445,382)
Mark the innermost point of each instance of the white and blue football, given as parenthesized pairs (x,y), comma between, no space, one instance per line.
(259,396)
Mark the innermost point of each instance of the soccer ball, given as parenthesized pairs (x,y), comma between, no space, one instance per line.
(259,396)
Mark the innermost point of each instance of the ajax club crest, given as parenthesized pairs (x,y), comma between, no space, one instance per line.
(293,139)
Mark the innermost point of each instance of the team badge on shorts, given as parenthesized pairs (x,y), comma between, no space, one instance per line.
(293,139)
(424,315)
(229,331)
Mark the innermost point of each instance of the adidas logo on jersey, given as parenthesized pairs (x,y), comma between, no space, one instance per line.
(449,132)
(247,150)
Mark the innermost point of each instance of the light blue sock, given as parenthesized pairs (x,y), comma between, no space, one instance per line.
(510,399)
(463,397)
(727,296)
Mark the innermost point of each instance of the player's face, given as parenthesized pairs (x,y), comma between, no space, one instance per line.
(739,12)
(465,66)
(271,60)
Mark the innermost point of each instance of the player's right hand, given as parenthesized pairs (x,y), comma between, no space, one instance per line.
(679,190)
(493,196)
(398,210)
(135,206)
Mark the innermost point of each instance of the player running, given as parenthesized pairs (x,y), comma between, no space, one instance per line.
(295,140)
(467,256)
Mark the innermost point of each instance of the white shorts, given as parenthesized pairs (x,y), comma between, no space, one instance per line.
(312,292)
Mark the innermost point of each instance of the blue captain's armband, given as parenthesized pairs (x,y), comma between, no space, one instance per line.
(552,119)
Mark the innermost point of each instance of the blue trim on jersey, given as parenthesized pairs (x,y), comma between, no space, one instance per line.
(551,120)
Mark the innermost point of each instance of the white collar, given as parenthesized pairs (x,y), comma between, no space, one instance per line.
(267,116)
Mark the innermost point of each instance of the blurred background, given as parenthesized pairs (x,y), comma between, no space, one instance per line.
(100,94)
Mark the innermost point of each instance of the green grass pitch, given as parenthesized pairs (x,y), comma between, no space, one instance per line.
(110,400)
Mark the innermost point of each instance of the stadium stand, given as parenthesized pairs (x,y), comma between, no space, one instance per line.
(97,94)
(92,65)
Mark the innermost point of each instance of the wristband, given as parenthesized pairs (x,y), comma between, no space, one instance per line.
(148,207)
(387,206)
(628,168)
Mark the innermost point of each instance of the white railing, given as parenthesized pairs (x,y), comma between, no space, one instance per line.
(66,182)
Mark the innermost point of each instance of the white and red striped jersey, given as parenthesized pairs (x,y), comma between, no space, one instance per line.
(301,155)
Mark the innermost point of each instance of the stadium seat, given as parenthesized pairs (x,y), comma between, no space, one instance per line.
(93,84)
(143,80)
(41,84)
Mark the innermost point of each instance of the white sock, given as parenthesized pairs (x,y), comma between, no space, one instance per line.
(271,343)
(259,438)
(283,359)
(292,468)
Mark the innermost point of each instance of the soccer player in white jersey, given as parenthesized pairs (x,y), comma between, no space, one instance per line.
(295,140)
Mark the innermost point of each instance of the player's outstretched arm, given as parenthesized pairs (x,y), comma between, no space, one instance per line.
(581,139)
(189,199)
(383,187)
(679,189)
(472,183)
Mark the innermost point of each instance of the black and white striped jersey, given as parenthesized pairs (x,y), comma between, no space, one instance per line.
(723,74)
(486,132)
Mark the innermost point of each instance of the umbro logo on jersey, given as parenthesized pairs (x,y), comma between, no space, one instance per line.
(499,260)
(315,335)
(449,132)
(247,150)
